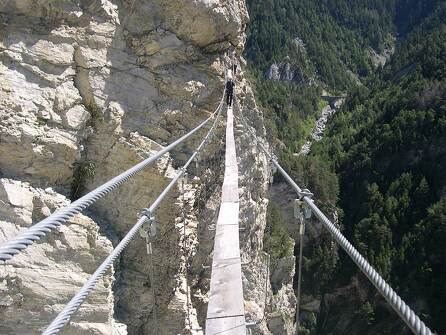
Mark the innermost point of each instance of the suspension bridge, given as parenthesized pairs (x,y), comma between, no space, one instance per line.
(225,312)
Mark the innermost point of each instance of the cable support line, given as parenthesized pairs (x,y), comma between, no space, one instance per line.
(34,233)
(299,282)
(146,216)
(183,212)
(301,212)
(152,282)
(225,316)
(265,303)
(401,308)
(273,159)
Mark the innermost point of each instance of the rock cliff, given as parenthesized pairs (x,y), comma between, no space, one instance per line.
(89,88)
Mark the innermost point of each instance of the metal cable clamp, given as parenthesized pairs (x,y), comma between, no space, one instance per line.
(305,193)
(148,229)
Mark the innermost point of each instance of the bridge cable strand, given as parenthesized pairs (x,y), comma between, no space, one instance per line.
(183,210)
(17,244)
(401,308)
(65,315)
(185,254)
(299,273)
(152,284)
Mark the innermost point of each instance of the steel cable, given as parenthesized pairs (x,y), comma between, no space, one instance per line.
(299,275)
(183,212)
(15,245)
(65,315)
(152,287)
(401,308)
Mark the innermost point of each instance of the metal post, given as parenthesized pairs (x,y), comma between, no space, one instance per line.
(266,284)
(184,251)
(301,213)
(152,284)
(148,231)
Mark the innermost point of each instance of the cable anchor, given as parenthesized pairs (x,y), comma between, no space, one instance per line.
(300,215)
(305,193)
(149,229)
(197,163)
(302,210)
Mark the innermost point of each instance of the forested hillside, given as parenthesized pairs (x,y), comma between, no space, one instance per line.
(386,148)
(334,34)
(327,46)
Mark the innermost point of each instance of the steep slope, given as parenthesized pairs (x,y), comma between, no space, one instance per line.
(298,50)
(324,41)
(388,149)
(382,157)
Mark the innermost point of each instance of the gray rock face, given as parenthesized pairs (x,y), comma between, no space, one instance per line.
(286,71)
(282,71)
(380,59)
(318,131)
(90,88)
(40,281)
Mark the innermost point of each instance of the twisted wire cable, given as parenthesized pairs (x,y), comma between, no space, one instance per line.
(15,245)
(65,315)
(401,308)
(152,290)
(183,214)
(299,277)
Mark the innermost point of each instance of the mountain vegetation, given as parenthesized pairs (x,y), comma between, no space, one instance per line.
(382,157)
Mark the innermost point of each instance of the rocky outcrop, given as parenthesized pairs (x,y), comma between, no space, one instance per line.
(286,71)
(318,131)
(379,59)
(89,88)
(301,72)
(42,279)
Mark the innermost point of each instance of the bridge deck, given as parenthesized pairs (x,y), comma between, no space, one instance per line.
(226,311)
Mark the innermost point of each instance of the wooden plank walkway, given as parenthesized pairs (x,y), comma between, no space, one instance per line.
(226,311)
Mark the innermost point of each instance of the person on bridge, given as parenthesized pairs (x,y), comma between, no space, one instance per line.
(229,89)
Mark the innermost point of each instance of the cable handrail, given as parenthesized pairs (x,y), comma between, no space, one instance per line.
(401,308)
(65,315)
(34,233)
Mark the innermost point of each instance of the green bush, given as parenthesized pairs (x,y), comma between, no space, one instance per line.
(276,240)
(83,171)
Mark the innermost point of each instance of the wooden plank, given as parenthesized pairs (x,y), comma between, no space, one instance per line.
(226,311)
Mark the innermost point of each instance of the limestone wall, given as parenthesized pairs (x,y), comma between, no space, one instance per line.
(88,89)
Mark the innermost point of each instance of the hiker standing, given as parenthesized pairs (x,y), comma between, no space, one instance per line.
(229,89)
